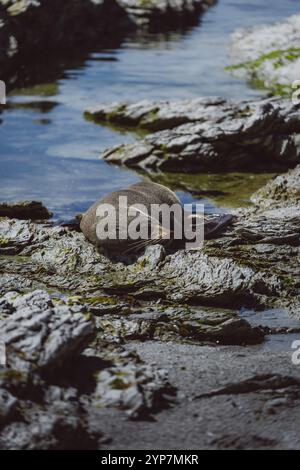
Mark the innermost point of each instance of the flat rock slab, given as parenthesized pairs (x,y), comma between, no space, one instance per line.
(206,134)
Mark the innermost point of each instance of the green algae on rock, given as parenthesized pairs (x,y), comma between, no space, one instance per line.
(268,56)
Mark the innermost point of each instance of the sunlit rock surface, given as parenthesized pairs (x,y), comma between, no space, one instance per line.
(37,334)
(206,134)
(268,56)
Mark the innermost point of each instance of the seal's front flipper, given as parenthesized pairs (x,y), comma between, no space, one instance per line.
(215,226)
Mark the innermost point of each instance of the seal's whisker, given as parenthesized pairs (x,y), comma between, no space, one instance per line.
(135,245)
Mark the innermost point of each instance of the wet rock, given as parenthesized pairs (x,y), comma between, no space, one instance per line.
(62,259)
(37,334)
(40,337)
(15,235)
(207,134)
(161,115)
(14,281)
(269,229)
(266,242)
(238,442)
(25,210)
(179,324)
(268,56)
(51,407)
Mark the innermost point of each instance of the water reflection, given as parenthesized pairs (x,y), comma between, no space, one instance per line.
(217,191)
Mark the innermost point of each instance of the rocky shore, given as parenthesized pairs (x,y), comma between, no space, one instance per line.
(84,334)
(207,134)
(168,349)
(268,56)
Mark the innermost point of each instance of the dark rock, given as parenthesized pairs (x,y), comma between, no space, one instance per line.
(150,304)
(7,405)
(25,210)
(57,424)
(153,256)
(63,259)
(5,40)
(80,22)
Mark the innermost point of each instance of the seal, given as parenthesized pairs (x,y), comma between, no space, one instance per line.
(142,197)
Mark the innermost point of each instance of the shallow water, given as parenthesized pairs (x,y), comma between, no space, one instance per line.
(50,153)
(275,318)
